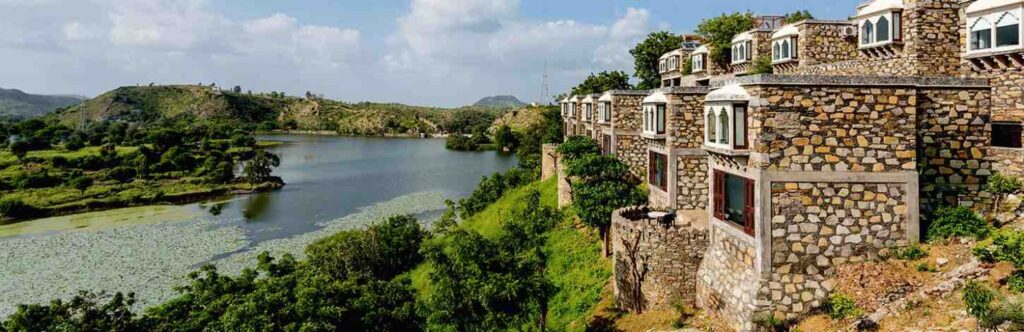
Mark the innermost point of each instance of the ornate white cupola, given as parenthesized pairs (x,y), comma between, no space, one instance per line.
(565,106)
(588,108)
(654,111)
(742,48)
(604,108)
(880,24)
(725,118)
(994,33)
(699,60)
(784,44)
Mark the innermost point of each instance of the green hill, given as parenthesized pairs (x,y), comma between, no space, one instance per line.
(139,104)
(18,104)
(500,102)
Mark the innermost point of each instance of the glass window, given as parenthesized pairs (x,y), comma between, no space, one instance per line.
(897,26)
(883,29)
(1007,31)
(709,123)
(723,126)
(657,174)
(734,200)
(981,35)
(740,116)
(867,33)
(776,52)
(1006,135)
(660,122)
(785,49)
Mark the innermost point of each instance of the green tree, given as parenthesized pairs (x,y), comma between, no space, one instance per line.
(601,185)
(763,65)
(381,251)
(798,16)
(603,81)
(82,183)
(258,169)
(718,32)
(1001,186)
(646,54)
(20,148)
(82,313)
(504,138)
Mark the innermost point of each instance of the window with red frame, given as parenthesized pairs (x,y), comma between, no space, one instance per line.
(734,200)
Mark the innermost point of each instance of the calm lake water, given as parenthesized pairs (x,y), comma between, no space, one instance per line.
(333,183)
(327,177)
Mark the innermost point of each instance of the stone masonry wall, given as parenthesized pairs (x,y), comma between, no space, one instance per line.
(685,121)
(829,128)
(670,255)
(824,42)
(692,188)
(953,128)
(728,281)
(817,226)
(762,46)
(632,150)
(548,161)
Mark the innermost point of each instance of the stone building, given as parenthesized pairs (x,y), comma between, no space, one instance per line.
(623,129)
(587,115)
(812,42)
(670,67)
(566,110)
(992,49)
(747,48)
(675,163)
(811,172)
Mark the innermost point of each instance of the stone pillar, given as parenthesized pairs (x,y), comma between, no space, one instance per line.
(549,161)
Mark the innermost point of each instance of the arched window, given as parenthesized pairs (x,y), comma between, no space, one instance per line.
(883,29)
(785,49)
(981,34)
(709,120)
(776,52)
(1008,31)
(723,125)
(867,33)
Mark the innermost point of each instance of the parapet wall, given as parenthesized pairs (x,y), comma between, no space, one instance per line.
(553,166)
(667,258)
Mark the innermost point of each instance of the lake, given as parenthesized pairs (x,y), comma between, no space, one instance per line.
(333,183)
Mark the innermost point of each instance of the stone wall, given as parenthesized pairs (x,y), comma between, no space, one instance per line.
(669,256)
(953,128)
(728,279)
(685,118)
(632,150)
(691,183)
(818,226)
(762,46)
(549,161)
(823,42)
(831,128)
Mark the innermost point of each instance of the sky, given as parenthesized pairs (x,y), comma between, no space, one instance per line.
(444,53)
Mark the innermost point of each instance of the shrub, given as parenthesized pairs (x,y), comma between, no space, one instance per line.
(578,146)
(910,253)
(15,208)
(1000,186)
(763,65)
(978,299)
(382,251)
(1006,246)
(1016,281)
(840,306)
(957,221)
(36,180)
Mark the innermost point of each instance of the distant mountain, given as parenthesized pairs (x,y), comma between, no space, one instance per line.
(15,103)
(500,101)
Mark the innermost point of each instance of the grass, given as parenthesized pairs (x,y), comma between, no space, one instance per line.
(575,266)
(7,158)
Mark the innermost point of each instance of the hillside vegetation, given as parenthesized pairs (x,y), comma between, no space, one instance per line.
(274,111)
(500,101)
(17,104)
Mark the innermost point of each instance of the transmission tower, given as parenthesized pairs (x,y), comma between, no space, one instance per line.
(544,87)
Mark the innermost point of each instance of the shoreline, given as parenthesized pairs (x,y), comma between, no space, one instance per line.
(174,199)
(334,133)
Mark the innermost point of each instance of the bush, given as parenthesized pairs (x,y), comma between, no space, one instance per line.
(15,208)
(578,146)
(910,253)
(1016,281)
(1006,246)
(978,299)
(491,189)
(36,180)
(839,306)
(957,221)
(1000,186)
(382,251)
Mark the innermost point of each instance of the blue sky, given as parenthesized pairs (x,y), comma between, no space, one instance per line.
(424,52)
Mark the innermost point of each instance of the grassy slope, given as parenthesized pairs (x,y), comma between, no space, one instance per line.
(575,266)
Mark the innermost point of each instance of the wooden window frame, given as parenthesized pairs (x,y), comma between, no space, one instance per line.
(655,158)
(719,201)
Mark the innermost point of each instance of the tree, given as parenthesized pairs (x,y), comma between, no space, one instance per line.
(798,16)
(603,81)
(718,32)
(1001,186)
(381,251)
(20,148)
(647,53)
(82,183)
(763,65)
(504,138)
(257,169)
(237,89)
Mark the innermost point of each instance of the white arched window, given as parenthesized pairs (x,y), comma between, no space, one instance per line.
(710,126)
(723,125)
(1008,30)
(883,29)
(867,33)
(785,49)
(776,50)
(981,35)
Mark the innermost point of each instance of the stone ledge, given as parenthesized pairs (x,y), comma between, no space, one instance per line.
(727,152)
(629,92)
(871,81)
(684,90)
